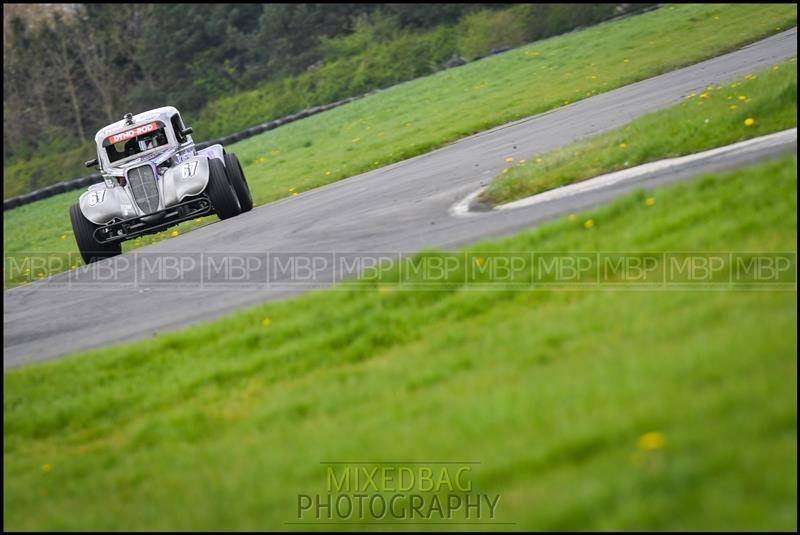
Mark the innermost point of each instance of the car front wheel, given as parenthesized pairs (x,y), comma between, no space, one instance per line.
(90,249)
(220,191)
(234,169)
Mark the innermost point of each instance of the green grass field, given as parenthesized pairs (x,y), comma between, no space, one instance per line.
(587,408)
(418,116)
(759,104)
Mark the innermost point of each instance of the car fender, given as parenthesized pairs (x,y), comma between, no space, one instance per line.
(190,177)
(101,204)
(214,151)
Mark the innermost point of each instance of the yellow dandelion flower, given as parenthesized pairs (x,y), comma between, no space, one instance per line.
(327,173)
(197,220)
(510,159)
(650,201)
(295,194)
(522,162)
(539,160)
(384,290)
(742,97)
(505,170)
(589,223)
(63,236)
(46,468)
(704,95)
(749,121)
(266,322)
(291,190)
(623,145)
(626,60)
(652,441)
(174,233)
(691,95)
(732,107)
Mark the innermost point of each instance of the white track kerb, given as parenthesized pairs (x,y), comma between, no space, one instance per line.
(638,173)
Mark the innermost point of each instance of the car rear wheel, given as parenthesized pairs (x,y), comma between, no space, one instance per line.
(234,169)
(90,249)
(220,191)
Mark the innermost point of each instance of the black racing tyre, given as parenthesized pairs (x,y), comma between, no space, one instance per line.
(220,190)
(90,250)
(238,181)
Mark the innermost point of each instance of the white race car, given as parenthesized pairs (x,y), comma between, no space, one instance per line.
(153,179)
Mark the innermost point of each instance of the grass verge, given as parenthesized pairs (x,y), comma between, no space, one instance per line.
(604,409)
(430,112)
(759,104)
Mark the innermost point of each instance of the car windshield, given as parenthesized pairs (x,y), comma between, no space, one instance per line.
(133,142)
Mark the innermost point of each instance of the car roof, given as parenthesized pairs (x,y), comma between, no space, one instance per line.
(159,114)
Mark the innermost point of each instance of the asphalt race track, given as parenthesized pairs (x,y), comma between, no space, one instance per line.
(401,208)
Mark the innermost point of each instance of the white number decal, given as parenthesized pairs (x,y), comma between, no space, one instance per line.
(96,197)
(188,170)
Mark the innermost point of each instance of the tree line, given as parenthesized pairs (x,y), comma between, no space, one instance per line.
(68,71)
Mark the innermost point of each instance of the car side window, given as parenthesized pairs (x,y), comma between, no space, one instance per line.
(177,127)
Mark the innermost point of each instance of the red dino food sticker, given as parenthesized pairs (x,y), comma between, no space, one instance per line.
(132,133)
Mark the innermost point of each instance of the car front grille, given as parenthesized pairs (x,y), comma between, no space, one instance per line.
(144,188)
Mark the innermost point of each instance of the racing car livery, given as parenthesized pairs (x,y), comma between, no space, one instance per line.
(153,179)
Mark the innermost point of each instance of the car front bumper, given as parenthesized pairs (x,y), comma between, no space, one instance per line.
(153,222)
